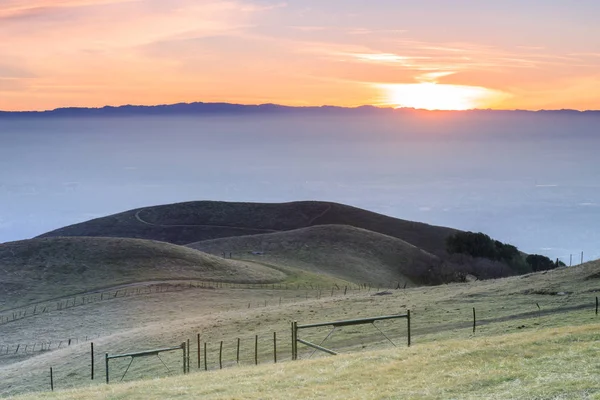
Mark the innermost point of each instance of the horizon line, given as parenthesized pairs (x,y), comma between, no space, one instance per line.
(285,106)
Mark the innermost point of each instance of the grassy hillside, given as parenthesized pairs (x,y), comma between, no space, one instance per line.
(354,254)
(184,223)
(39,269)
(504,307)
(559,363)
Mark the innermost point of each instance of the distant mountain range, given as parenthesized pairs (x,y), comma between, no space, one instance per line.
(199,108)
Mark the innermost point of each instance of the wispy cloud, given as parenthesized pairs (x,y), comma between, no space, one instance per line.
(434,76)
(22,9)
(93,52)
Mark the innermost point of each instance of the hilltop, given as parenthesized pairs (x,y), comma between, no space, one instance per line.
(39,269)
(354,254)
(198,221)
(190,222)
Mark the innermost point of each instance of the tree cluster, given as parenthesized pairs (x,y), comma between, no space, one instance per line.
(538,262)
(482,246)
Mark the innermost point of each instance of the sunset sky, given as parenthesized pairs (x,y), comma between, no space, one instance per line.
(537,54)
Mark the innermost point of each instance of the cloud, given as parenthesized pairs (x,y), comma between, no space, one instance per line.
(11,85)
(25,9)
(434,76)
(13,71)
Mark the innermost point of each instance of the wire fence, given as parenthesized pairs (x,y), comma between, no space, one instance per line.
(310,291)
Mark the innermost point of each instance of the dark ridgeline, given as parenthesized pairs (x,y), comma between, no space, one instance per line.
(201,108)
(196,108)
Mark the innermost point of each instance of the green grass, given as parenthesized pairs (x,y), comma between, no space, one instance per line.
(553,363)
(346,252)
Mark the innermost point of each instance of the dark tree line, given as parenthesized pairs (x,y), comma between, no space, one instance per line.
(480,245)
(542,263)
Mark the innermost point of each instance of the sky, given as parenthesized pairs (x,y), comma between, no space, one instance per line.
(435,54)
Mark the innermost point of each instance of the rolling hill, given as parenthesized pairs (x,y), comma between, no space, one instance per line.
(343,251)
(39,269)
(190,222)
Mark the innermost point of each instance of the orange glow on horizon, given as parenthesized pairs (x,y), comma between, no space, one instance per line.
(434,96)
(91,53)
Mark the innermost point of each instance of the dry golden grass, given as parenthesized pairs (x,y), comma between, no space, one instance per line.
(553,363)
(439,313)
(41,269)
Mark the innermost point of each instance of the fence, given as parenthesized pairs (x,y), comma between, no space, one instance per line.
(145,353)
(32,310)
(270,347)
(337,324)
(42,345)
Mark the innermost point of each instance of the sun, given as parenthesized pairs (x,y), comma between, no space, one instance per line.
(434,96)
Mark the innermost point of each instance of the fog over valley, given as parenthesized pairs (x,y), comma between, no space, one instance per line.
(531,179)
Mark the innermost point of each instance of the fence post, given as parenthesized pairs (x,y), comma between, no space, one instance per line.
(408,325)
(275,347)
(294,340)
(205,358)
(92,357)
(237,355)
(198,351)
(51,380)
(596,305)
(474,320)
(183,350)
(221,355)
(256,350)
(188,356)
(106,366)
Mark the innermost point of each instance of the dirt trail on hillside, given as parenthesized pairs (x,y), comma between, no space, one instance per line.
(255,230)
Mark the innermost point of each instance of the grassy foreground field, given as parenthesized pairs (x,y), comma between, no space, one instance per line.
(552,363)
(505,306)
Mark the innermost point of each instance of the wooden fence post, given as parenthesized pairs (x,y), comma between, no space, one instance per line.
(221,355)
(294,342)
(408,325)
(184,360)
(106,366)
(92,358)
(205,358)
(237,356)
(198,351)
(275,347)
(256,350)
(188,356)
(596,305)
(474,320)
(51,380)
